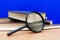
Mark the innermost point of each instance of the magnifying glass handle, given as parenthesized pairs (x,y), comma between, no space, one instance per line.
(10,33)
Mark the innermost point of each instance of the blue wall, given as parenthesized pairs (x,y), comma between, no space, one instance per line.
(51,7)
(17,5)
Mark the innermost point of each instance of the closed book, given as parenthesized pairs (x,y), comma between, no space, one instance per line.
(21,15)
(14,26)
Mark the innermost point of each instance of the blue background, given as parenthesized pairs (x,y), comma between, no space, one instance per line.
(51,7)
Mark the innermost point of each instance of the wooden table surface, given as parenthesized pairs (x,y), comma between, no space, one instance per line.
(53,34)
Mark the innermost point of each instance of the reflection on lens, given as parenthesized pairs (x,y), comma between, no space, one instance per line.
(35,22)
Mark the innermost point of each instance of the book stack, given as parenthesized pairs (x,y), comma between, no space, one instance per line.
(20,16)
(16,19)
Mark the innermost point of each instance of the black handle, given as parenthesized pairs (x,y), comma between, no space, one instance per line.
(10,33)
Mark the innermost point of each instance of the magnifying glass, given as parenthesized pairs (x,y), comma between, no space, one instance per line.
(34,22)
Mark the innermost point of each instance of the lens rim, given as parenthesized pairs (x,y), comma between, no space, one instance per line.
(28,25)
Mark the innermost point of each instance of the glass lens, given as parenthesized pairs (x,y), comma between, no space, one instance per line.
(35,22)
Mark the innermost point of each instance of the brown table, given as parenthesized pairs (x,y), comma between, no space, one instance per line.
(53,34)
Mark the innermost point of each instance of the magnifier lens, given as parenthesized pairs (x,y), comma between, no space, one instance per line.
(35,22)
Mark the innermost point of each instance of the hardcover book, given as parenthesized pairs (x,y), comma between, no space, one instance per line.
(21,15)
